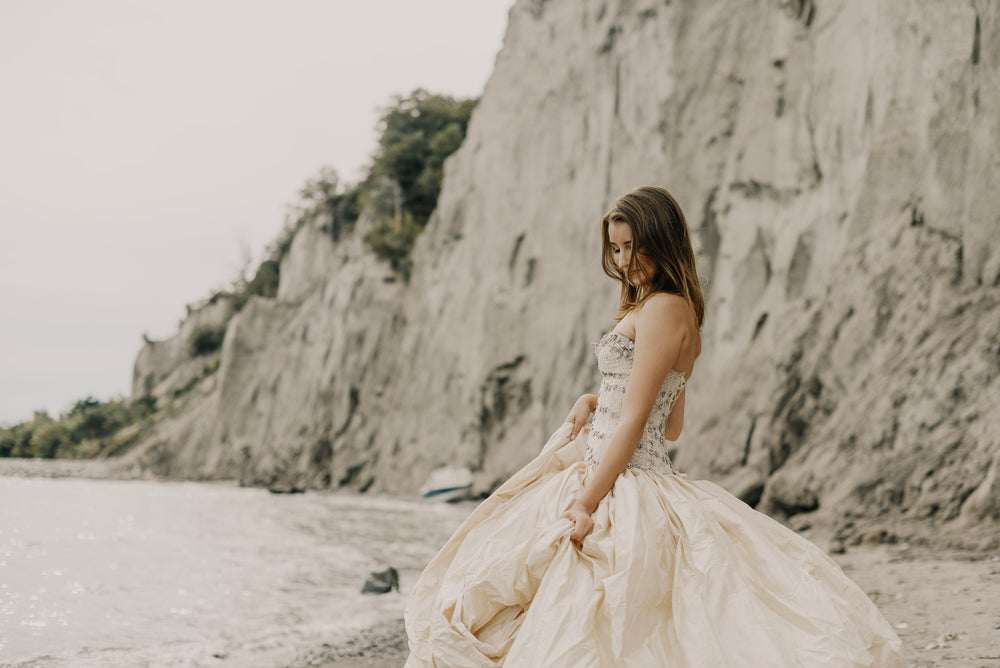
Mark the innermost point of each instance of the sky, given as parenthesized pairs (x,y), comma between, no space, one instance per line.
(147,148)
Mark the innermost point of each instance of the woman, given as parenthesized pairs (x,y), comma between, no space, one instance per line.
(597,554)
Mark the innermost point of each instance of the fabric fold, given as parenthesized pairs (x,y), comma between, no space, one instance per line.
(676,573)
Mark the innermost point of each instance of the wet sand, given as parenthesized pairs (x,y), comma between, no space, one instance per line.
(383,646)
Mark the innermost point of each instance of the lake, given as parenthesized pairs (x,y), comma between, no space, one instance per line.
(103,572)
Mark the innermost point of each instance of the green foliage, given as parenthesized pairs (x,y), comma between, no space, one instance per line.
(324,194)
(206,339)
(206,371)
(86,430)
(16,441)
(90,419)
(47,440)
(392,239)
(84,405)
(145,406)
(417,134)
(265,282)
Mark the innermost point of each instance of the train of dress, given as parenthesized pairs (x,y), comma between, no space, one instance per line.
(676,573)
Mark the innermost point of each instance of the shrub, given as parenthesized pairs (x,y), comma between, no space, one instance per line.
(265,282)
(49,439)
(21,436)
(86,430)
(206,339)
(206,371)
(89,419)
(417,133)
(392,239)
(324,194)
(7,443)
(93,420)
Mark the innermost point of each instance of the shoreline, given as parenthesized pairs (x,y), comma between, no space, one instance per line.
(832,533)
(88,469)
(935,593)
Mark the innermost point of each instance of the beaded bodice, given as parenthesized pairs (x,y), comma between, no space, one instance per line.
(614,359)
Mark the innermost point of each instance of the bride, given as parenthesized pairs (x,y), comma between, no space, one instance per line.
(598,554)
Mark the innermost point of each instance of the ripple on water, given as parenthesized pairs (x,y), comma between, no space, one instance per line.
(98,572)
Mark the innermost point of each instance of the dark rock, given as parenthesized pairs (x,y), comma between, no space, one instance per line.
(381,582)
(286,489)
(788,497)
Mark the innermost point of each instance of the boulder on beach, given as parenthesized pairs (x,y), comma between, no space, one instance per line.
(381,582)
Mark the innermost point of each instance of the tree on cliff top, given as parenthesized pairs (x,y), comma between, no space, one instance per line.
(416,134)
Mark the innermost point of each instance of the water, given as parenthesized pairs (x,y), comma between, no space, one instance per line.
(96,573)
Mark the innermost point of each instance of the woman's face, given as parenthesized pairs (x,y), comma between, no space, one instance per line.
(620,237)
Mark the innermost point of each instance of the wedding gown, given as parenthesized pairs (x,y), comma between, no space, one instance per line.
(676,573)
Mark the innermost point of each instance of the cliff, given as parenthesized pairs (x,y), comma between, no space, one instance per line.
(835,161)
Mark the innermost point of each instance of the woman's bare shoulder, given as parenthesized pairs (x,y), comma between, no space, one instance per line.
(665,312)
(667,307)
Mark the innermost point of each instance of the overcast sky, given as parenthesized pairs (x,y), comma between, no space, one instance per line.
(145,145)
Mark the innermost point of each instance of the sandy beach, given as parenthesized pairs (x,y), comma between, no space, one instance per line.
(941,603)
(941,600)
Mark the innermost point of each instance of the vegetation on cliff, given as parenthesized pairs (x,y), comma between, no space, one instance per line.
(91,428)
(206,339)
(400,191)
(417,133)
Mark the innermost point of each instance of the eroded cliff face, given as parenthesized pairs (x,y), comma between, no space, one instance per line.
(835,161)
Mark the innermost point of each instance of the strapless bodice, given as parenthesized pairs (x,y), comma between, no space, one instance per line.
(614,359)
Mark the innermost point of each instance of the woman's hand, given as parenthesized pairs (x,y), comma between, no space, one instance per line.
(581,410)
(583,524)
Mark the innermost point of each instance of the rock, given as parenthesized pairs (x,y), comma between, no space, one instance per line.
(943,641)
(787,497)
(984,502)
(381,582)
(838,179)
(876,534)
(747,485)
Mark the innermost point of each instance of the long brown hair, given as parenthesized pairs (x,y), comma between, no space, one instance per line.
(659,233)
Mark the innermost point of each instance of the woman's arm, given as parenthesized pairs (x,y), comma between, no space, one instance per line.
(659,336)
(581,410)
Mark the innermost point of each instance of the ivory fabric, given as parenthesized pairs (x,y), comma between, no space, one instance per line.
(676,573)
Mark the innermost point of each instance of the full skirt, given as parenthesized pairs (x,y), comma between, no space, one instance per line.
(676,573)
